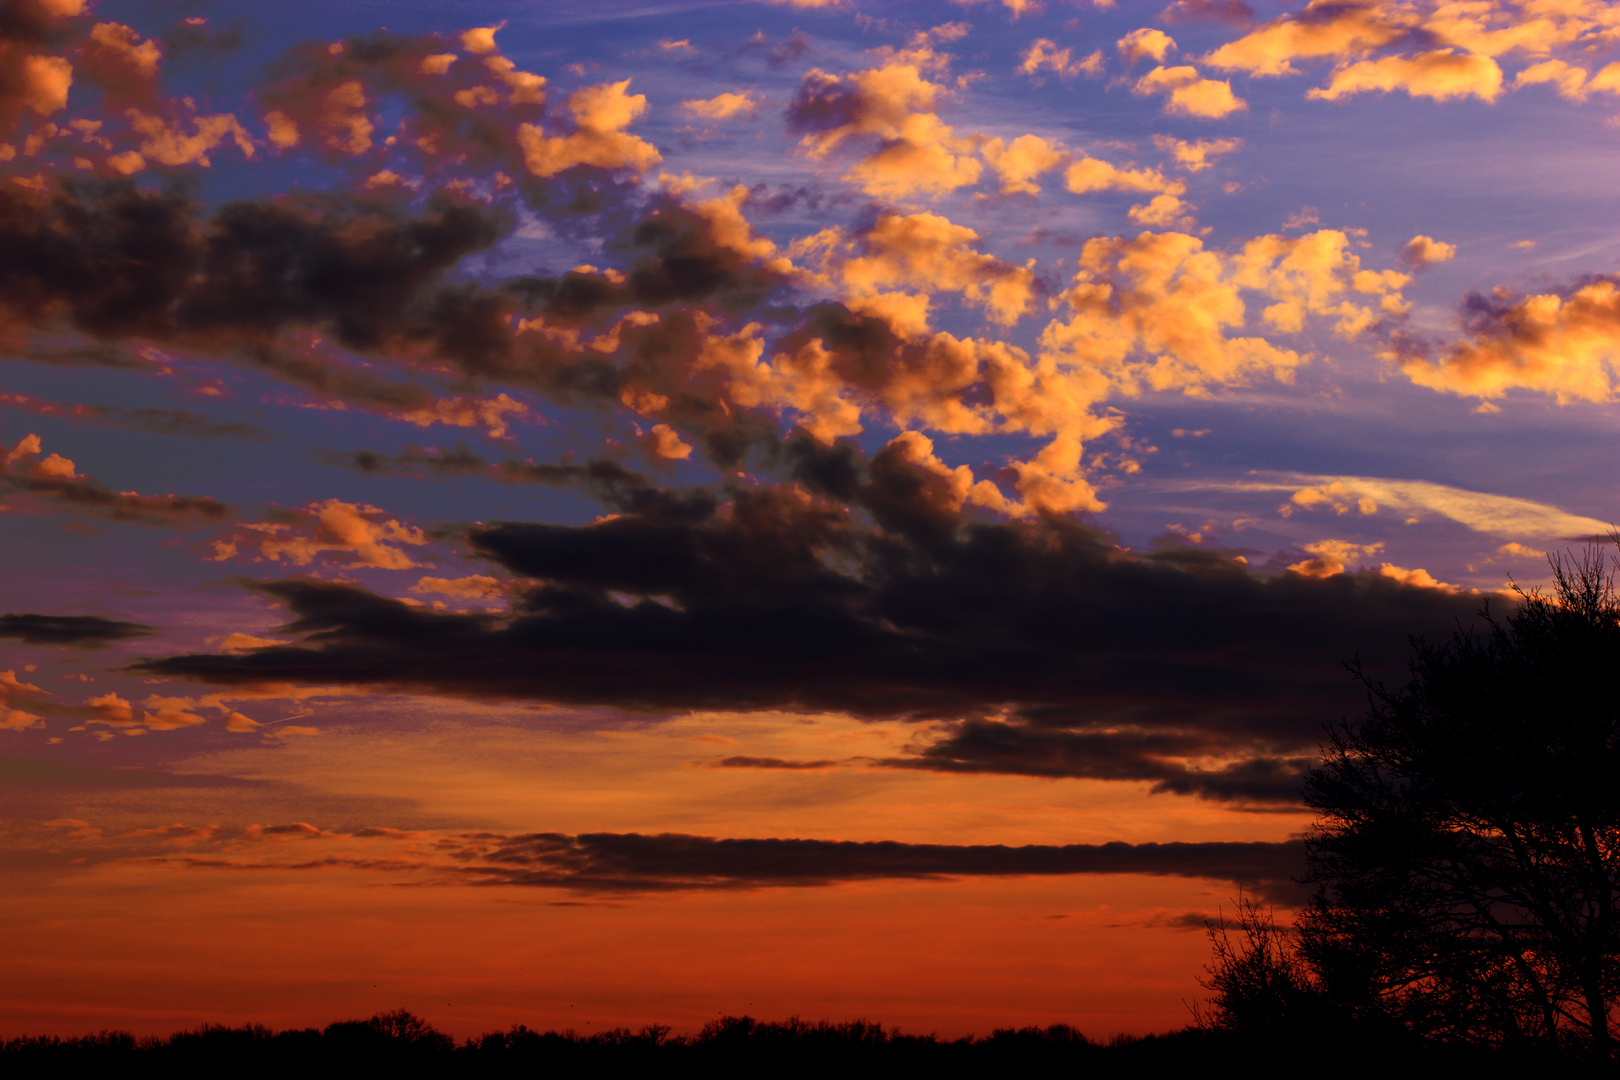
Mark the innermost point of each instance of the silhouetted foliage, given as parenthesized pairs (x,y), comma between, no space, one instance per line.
(1467,846)
(731,1045)
(1258,981)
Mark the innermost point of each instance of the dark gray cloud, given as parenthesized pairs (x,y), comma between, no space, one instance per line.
(632,862)
(742,761)
(1234,11)
(603,477)
(1045,649)
(89,631)
(157,421)
(1156,755)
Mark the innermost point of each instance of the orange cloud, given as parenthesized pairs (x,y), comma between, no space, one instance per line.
(1044,55)
(664,443)
(1334,496)
(1019,162)
(1421,251)
(169,713)
(1093,174)
(492,414)
(1159,310)
(167,143)
(1442,75)
(363,532)
(917,153)
(481,39)
(1190,94)
(473,587)
(27,470)
(1417,577)
(1329,557)
(1318,274)
(1146,43)
(928,253)
(16,697)
(1569,80)
(1195,156)
(1566,346)
(1530,26)
(1325,28)
(723,106)
(1166,208)
(601,113)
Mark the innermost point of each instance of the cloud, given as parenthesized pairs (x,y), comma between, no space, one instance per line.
(603,478)
(1018,8)
(1146,43)
(1164,757)
(781,598)
(723,106)
(742,762)
(84,631)
(1019,162)
(16,699)
(328,99)
(1160,311)
(169,713)
(472,587)
(118,263)
(632,862)
(1090,174)
(1044,55)
(332,526)
(601,113)
(157,421)
(1190,94)
(33,80)
(1422,251)
(1497,515)
(1442,75)
(605,864)
(493,413)
(927,253)
(1195,156)
(1563,344)
(52,479)
(1325,28)
(168,143)
(1569,80)
(917,152)
(1520,551)
(1333,496)
(1235,11)
(1328,557)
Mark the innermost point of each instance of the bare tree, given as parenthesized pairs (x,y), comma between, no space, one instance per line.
(1467,846)
(1259,983)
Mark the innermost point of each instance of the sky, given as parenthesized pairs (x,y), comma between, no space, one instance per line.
(595,514)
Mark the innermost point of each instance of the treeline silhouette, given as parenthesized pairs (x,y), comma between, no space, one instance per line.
(790,1047)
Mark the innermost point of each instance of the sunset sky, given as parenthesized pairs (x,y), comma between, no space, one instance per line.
(597,513)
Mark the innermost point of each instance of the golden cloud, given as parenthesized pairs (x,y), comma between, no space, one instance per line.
(1190,94)
(1566,346)
(1442,75)
(601,113)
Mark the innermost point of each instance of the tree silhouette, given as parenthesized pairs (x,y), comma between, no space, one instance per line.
(1259,982)
(1467,846)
